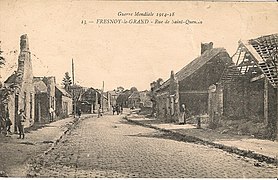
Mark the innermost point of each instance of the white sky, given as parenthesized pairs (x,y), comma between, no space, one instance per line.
(124,55)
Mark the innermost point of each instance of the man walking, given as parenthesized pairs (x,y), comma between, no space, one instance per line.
(21,120)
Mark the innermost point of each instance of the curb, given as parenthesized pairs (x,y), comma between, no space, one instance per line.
(72,126)
(192,139)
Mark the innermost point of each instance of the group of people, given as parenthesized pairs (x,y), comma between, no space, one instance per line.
(6,123)
(117,108)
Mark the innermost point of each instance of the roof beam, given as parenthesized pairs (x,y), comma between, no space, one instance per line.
(257,78)
(193,92)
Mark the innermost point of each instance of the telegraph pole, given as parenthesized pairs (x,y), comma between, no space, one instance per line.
(73,88)
(102,96)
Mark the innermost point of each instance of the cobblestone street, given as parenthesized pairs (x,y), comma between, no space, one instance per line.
(111,147)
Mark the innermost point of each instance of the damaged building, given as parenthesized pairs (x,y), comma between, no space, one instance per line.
(248,88)
(20,84)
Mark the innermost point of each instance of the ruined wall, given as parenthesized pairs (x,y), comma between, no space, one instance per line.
(161,102)
(25,92)
(233,100)
(244,99)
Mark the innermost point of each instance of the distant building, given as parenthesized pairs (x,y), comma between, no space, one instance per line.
(113,97)
(145,99)
(90,101)
(134,100)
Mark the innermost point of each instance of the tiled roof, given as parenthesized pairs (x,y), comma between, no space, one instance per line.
(63,91)
(261,52)
(194,65)
(265,53)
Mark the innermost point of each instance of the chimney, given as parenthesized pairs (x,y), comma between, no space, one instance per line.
(172,76)
(24,44)
(206,46)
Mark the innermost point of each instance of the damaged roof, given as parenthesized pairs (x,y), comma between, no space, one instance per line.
(264,51)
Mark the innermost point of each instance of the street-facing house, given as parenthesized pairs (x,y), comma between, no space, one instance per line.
(90,101)
(63,103)
(190,85)
(248,88)
(20,83)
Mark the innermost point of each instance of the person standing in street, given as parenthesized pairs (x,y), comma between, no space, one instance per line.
(51,111)
(182,114)
(99,112)
(20,123)
(8,123)
(113,109)
(79,113)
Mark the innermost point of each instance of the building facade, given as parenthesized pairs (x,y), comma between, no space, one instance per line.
(63,103)
(190,85)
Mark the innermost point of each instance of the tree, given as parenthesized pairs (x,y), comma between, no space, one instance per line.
(2,62)
(2,59)
(120,89)
(67,81)
(133,89)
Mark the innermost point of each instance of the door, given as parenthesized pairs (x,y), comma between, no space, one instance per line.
(15,112)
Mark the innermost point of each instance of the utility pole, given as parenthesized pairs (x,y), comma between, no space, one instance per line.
(102,96)
(73,88)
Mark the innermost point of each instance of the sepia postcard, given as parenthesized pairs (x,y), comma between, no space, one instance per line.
(138,89)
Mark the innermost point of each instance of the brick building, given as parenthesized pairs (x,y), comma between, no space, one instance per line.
(190,85)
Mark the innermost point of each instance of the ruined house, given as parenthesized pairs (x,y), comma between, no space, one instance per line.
(248,88)
(21,82)
(41,101)
(190,85)
(44,97)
